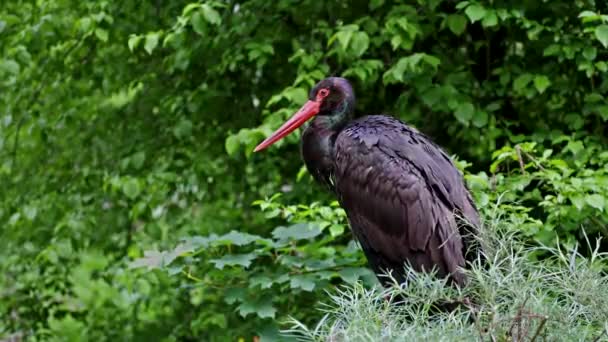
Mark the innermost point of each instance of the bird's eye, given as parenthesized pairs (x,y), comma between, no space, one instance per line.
(323,93)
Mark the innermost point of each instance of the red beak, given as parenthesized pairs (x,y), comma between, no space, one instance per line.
(308,110)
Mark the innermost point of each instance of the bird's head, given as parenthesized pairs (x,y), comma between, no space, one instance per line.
(332,98)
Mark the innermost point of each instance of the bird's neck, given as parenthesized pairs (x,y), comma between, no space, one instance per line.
(338,117)
(321,134)
(319,138)
(318,147)
(329,122)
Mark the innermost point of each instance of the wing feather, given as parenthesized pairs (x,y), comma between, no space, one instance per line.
(401,192)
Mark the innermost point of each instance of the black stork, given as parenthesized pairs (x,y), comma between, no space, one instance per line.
(405,200)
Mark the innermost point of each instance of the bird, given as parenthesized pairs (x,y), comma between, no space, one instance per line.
(405,200)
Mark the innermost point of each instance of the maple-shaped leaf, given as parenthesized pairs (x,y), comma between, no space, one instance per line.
(155,259)
(234,260)
(262,307)
(298,231)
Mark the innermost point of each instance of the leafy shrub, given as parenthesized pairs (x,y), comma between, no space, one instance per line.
(561,193)
(560,298)
(258,275)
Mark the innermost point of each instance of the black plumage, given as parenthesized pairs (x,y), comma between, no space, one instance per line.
(405,200)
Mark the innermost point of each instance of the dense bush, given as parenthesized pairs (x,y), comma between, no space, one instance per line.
(509,298)
(126,131)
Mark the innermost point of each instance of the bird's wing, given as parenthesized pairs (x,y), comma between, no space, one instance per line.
(401,193)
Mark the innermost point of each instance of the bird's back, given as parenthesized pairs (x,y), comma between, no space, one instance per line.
(404,197)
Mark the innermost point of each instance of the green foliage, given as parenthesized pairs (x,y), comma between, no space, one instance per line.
(127,130)
(262,276)
(559,196)
(562,298)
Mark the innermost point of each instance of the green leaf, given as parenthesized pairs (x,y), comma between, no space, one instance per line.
(336,230)
(183,129)
(464,112)
(541,83)
(457,23)
(480,119)
(232,145)
(298,231)
(431,60)
(138,159)
(238,238)
(589,16)
(594,98)
(521,82)
(171,271)
(475,12)
(271,333)
(2,25)
(578,202)
(410,64)
(155,259)
(101,34)
(373,4)
(360,43)
(490,19)
(559,163)
(266,310)
(352,274)
(596,201)
(462,4)
(211,15)
(552,50)
(30,212)
(134,41)
(584,14)
(262,281)
(68,327)
(343,37)
(263,308)
(151,42)
(589,53)
(190,7)
(603,112)
(304,282)
(234,260)
(248,307)
(601,33)
(575,147)
(131,188)
(198,24)
(234,295)
(303,172)
(10,66)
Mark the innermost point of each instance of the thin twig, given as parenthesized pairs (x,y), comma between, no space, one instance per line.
(599,336)
(16,141)
(493,179)
(534,160)
(517,319)
(473,311)
(520,159)
(539,329)
(332,268)
(192,277)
